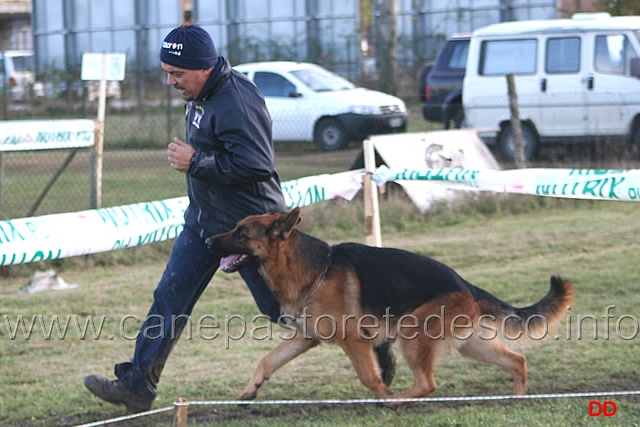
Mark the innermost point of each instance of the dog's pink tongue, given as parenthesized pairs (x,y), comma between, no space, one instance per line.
(226,263)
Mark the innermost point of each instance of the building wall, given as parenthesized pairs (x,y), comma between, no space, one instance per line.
(15,24)
(243,30)
(322,31)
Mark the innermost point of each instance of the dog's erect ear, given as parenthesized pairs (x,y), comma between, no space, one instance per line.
(282,227)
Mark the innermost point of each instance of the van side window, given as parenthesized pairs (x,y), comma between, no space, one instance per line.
(501,57)
(613,54)
(563,55)
(271,84)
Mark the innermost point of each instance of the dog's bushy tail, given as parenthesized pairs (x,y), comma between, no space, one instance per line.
(533,322)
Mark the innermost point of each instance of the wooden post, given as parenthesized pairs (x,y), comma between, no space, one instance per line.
(180,412)
(98,147)
(371,207)
(516,127)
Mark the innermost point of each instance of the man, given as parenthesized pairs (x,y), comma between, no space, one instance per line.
(228,160)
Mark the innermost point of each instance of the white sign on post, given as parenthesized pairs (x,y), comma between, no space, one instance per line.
(27,135)
(92,66)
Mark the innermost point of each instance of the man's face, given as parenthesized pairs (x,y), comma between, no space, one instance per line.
(188,82)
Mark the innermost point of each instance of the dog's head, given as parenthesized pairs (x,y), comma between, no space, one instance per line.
(253,239)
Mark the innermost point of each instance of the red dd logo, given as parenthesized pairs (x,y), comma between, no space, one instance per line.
(606,408)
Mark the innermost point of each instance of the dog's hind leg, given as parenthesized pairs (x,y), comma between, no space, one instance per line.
(420,354)
(275,359)
(496,353)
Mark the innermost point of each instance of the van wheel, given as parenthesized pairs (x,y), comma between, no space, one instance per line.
(330,135)
(508,146)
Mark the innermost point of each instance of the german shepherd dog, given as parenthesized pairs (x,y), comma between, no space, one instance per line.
(357,296)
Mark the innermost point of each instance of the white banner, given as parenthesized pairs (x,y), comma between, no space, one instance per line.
(607,184)
(22,135)
(460,148)
(313,189)
(80,233)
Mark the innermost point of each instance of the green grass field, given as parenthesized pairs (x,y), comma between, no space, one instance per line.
(510,254)
(506,245)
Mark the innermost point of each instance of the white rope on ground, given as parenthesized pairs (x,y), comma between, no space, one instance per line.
(360,401)
(127,417)
(411,400)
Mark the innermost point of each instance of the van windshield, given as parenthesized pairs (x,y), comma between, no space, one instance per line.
(613,54)
(24,63)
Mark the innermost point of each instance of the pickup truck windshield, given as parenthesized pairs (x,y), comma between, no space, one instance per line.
(322,81)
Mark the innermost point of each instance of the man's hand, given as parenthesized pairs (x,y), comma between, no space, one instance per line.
(179,154)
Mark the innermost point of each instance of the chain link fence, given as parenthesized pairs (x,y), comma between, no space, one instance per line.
(135,168)
(138,129)
(143,115)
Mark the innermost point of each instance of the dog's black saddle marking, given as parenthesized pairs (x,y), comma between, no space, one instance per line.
(397,279)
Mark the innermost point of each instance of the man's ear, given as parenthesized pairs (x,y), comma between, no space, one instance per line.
(284,224)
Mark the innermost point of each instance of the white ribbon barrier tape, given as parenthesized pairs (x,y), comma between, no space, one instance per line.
(64,235)
(313,189)
(604,184)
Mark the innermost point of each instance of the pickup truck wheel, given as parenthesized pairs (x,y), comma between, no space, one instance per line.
(508,146)
(330,135)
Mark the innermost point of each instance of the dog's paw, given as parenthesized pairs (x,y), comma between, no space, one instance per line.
(248,394)
(395,406)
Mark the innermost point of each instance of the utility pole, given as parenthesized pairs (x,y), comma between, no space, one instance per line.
(386,13)
(186,6)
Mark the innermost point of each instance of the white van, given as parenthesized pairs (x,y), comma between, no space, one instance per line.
(17,73)
(577,80)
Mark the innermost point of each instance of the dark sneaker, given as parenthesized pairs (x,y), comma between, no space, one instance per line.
(387,361)
(117,392)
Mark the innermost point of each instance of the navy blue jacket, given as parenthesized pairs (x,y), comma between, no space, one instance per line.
(232,173)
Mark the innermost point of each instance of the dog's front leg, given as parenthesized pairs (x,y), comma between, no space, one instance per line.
(275,359)
(364,361)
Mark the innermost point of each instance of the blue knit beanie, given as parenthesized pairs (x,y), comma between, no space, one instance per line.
(189,47)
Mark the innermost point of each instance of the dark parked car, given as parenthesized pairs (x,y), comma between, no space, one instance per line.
(442,86)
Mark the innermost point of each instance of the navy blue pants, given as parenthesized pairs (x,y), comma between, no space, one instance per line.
(188,272)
